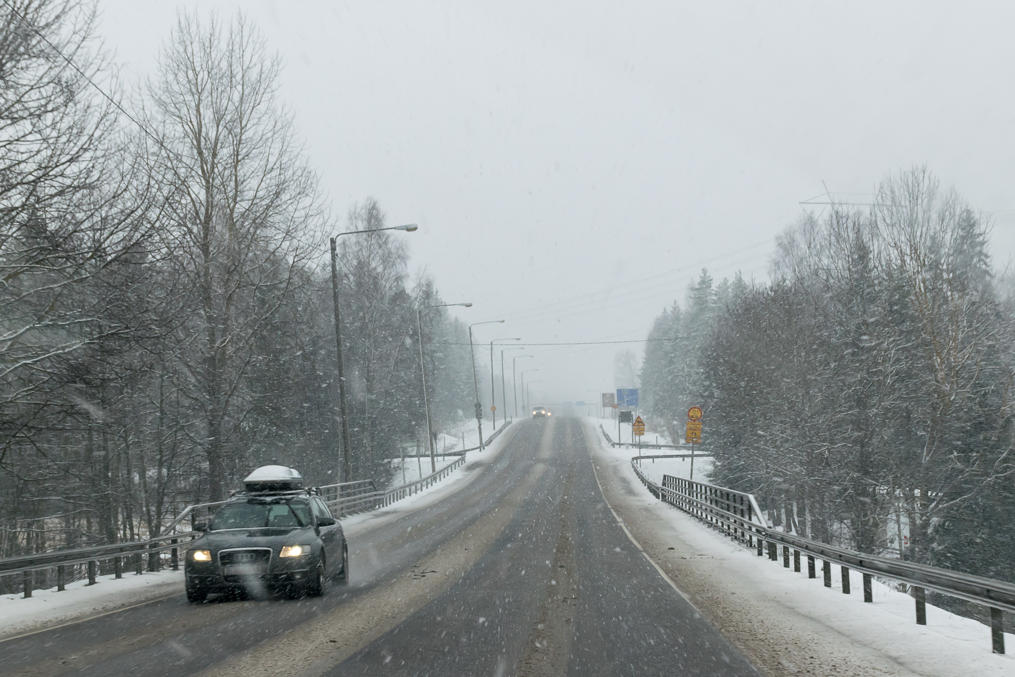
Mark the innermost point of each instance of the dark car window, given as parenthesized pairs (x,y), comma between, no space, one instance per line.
(321,510)
(256,514)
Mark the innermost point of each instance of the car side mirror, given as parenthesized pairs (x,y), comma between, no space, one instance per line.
(325,521)
(200,525)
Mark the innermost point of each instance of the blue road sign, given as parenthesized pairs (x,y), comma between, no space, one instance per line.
(627,397)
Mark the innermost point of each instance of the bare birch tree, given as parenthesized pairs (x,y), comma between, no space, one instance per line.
(246,212)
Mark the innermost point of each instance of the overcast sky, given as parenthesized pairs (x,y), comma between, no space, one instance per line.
(573,165)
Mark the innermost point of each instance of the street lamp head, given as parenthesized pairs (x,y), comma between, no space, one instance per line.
(476,324)
(467,305)
(409,227)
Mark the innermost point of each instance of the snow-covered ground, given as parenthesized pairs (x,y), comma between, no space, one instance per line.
(49,608)
(463,436)
(655,469)
(881,638)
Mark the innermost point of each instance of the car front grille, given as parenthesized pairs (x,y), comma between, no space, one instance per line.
(247,558)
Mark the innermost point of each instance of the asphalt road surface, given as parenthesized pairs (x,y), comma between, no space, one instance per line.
(523,571)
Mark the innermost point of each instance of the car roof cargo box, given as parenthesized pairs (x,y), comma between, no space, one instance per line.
(273,478)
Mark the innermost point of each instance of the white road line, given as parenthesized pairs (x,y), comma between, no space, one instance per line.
(634,541)
(89,618)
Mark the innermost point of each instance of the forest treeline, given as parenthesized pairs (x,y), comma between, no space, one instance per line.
(166,317)
(864,393)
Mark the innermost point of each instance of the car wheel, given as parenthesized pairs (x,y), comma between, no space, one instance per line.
(343,577)
(195,593)
(315,587)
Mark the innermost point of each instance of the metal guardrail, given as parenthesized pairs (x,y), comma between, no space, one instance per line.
(344,499)
(66,562)
(354,497)
(648,445)
(737,515)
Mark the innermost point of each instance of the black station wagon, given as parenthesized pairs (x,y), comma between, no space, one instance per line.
(275,536)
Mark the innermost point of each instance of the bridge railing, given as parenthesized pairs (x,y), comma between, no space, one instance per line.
(737,515)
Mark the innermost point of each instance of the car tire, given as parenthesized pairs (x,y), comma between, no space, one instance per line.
(343,576)
(196,594)
(315,586)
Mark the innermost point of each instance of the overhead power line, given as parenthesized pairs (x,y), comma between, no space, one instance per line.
(79,71)
(564,343)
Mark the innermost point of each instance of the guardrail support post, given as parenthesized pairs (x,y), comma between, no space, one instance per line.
(153,558)
(826,570)
(61,578)
(785,556)
(810,567)
(761,547)
(845,580)
(772,553)
(138,565)
(796,561)
(921,605)
(996,630)
(27,579)
(868,589)
(174,556)
(118,567)
(91,571)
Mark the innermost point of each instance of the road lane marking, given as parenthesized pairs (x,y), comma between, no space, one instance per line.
(89,618)
(630,536)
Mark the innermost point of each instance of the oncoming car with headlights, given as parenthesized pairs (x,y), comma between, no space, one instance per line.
(275,536)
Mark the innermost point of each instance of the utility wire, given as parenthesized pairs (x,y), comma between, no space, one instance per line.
(564,343)
(88,79)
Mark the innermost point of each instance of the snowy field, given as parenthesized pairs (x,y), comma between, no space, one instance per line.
(948,645)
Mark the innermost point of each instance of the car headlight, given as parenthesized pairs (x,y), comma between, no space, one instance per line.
(294,551)
(200,555)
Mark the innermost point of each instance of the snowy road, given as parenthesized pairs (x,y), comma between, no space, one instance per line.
(524,570)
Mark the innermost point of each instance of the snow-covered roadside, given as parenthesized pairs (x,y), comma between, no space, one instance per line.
(446,452)
(49,608)
(459,478)
(787,623)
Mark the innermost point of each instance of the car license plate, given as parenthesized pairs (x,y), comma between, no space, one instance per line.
(244,569)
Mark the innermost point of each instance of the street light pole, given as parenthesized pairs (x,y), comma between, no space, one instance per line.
(503,387)
(514,380)
(525,393)
(343,417)
(422,374)
(493,397)
(475,380)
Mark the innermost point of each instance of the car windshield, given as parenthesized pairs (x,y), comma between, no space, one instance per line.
(254,514)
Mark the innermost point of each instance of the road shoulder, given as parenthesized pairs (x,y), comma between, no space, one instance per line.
(757,606)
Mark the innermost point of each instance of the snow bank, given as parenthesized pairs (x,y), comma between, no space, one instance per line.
(799,616)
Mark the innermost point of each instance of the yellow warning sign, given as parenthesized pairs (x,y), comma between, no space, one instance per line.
(693,432)
(638,427)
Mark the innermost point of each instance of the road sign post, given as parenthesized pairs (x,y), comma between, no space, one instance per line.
(692,434)
(638,429)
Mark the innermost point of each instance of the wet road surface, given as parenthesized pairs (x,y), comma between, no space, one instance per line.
(523,571)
